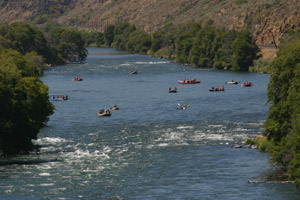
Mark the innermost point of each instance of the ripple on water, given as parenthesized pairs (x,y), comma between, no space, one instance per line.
(148,149)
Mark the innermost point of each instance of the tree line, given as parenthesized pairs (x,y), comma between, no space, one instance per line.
(282,128)
(208,46)
(55,44)
(24,99)
(25,49)
(192,43)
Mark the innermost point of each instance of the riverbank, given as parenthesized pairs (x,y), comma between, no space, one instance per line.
(267,54)
(147,149)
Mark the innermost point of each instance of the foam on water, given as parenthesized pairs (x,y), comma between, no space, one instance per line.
(125,64)
(202,133)
(147,149)
(49,140)
(152,63)
(185,127)
(44,174)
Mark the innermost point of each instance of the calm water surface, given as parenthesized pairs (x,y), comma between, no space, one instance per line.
(148,149)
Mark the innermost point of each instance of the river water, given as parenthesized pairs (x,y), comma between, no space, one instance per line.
(148,149)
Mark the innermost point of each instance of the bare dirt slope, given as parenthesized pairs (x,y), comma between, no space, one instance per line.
(265,18)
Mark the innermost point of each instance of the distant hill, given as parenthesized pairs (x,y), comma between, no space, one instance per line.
(265,18)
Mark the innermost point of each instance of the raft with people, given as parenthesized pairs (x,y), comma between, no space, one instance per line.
(133,72)
(104,113)
(172,90)
(187,81)
(217,89)
(232,82)
(115,107)
(247,84)
(60,97)
(182,107)
(77,79)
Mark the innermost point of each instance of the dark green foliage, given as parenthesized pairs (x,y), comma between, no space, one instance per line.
(139,42)
(157,40)
(29,65)
(26,38)
(109,35)
(92,38)
(69,44)
(223,54)
(191,43)
(283,124)
(24,102)
(121,35)
(204,47)
(184,38)
(49,27)
(62,44)
(184,46)
(99,39)
(244,51)
(212,47)
(240,2)
(261,66)
(126,37)
(4,43)
(291,36)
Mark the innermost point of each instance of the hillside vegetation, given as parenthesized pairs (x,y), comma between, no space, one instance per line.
(265,18)
(24,99)
(190,43)
(283,123)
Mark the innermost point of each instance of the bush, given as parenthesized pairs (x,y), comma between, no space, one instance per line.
(283,124)
(261,66)
(24,102)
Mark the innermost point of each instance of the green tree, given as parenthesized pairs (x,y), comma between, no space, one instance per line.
(99,39)
(26,38)
(4,43)
(93,38)
(184,44)
(139,42)
(29,65)
(283,124)
(24,103)
(109,35)
(69,44)
(244,51)
(157,40)
(121,35)
(223,54)
(202,52)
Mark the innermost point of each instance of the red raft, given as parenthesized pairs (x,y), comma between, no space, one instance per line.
(133,72)
(247,84)
(77,79)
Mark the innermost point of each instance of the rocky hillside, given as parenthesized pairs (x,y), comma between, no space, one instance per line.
(267,19)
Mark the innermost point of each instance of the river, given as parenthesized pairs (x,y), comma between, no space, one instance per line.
(148,149)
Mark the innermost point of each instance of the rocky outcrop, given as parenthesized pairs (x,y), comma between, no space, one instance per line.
(269,21)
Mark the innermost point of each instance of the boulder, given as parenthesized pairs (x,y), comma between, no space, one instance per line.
(236,146)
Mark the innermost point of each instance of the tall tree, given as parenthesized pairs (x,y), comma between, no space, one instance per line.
(69,44)
(283,124)
(24,103)
(26,38)
(244,51)
(109,35)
